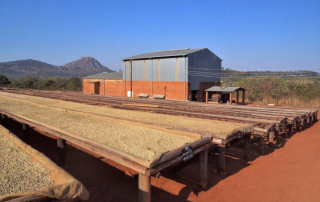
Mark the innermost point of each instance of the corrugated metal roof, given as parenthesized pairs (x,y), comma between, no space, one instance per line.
(105,75)
(163,54)
(223,89)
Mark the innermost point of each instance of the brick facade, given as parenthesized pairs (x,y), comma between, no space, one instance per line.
(171,90)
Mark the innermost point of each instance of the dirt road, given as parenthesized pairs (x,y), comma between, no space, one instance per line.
(289,172)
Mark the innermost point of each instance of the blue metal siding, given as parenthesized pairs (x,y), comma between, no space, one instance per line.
(203,66)
(137,70)
(168,69)
(126,70)
(183,68)
(151,70)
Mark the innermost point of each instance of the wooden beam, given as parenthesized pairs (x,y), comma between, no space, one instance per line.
(144,188)
(247,147)
(62,151)
(204,168)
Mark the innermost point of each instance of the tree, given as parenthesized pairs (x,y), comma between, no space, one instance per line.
(4,80)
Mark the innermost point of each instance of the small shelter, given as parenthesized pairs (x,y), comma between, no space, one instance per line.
(224,94)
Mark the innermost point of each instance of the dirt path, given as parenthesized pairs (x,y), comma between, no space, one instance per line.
(289,172)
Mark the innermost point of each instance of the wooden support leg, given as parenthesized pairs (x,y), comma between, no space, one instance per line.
(222,160)
(204,168)
(247,147)
(62,151)
(289,130)
(26,134)
(261,146)
(4,120)
(310,121)
(299,126)
(271,138)
(304,123)
(284,129)
(144,188)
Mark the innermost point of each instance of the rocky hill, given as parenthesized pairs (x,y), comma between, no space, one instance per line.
(82,67)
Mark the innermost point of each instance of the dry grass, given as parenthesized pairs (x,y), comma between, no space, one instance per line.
(293,102)
(18,173)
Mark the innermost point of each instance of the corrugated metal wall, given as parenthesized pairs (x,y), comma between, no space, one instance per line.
(168,70)
(203,66)
(137,70)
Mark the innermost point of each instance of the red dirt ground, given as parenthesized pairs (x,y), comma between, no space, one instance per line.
(290,171)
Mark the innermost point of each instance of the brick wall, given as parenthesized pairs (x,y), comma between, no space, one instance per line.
(172,90)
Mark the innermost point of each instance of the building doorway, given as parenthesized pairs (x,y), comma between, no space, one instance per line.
(194,95)
(95,88)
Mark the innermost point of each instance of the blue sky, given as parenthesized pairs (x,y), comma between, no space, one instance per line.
(247,35)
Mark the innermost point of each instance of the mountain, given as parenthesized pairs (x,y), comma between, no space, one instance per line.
(82,67)
(86,64)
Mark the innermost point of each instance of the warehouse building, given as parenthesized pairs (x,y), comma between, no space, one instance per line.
(182,74)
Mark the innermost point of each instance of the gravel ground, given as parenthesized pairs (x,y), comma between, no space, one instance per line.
(217,127)
(143,142)
(18,173)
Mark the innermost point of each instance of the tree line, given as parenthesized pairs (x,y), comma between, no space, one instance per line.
(49,83)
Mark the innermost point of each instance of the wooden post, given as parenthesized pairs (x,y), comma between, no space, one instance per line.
(207,96)
(262,146)
(230,98)
(237,96)
(310,121)
(222,159)
(26,134)
(144,188)
(289,130)
(62,151)
(284,129)
(243,96)
(271,138)
(4,120)
(247,147)
(304,124)
(299,125)
(204,168)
